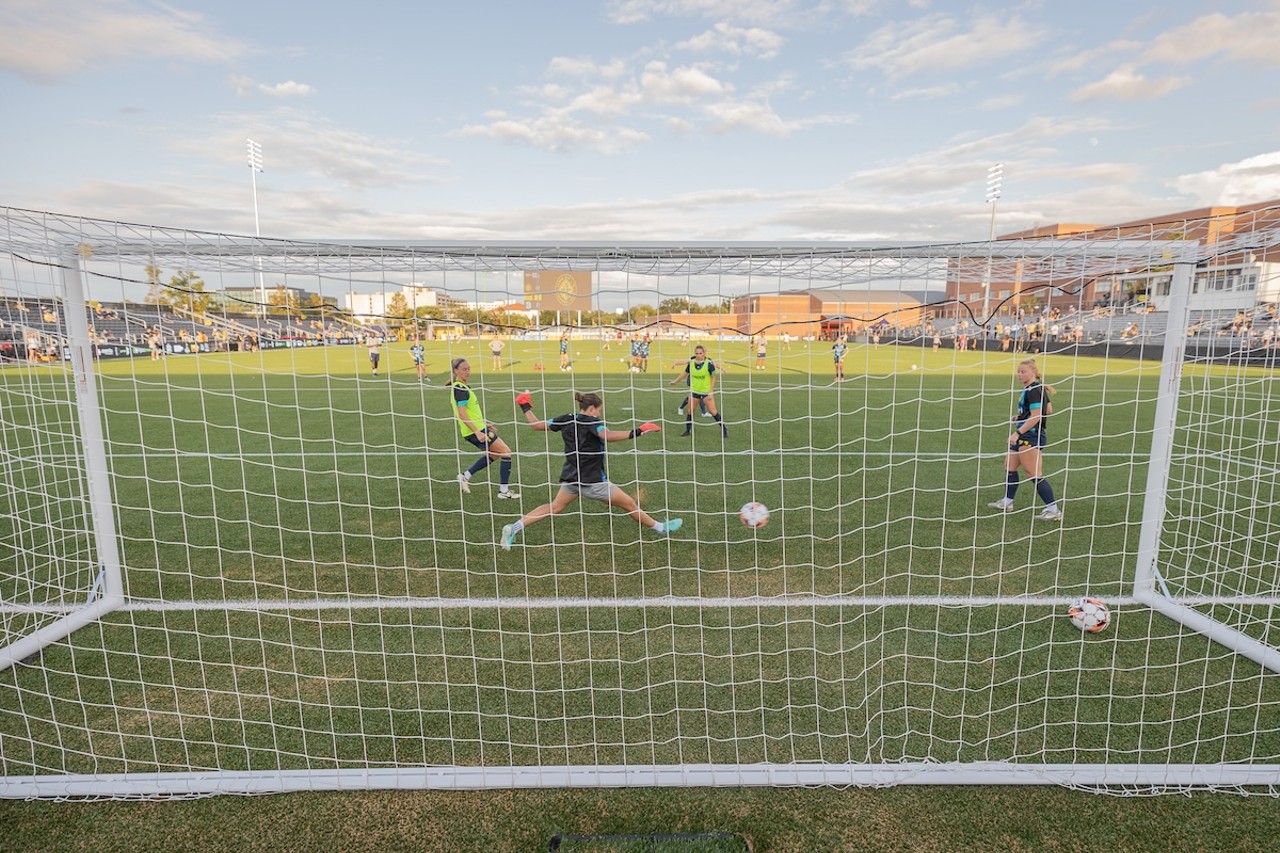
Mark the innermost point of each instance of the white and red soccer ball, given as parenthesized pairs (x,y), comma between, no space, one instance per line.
(1089,614)
(754,514)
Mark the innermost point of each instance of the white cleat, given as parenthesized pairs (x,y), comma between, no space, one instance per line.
(464,484)
(1002,505)
(1050,515)
(509,495)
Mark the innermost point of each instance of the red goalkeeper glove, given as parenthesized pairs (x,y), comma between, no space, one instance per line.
(525,401)
(649,426)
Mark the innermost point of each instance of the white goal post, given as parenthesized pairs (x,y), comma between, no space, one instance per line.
(238,557)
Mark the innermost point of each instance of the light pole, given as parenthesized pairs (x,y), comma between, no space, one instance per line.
(995,184)
(255,166)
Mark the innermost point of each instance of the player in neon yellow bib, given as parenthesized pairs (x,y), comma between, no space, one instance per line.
(700,373)
(477,432)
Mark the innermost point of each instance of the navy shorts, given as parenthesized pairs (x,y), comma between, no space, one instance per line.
(490,436)
(1035,438)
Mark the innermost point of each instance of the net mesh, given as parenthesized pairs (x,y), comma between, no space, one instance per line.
(307,588)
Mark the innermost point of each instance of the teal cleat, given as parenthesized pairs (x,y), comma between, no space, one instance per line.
(672,525)
(508,537)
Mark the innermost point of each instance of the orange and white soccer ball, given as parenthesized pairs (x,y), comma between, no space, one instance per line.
(1089,614)
(754,514)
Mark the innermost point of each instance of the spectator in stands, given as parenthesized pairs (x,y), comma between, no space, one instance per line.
(1130,331)
(153,341)
(33,348)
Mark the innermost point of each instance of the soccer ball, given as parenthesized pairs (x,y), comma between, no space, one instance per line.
(1089,614)
(754,514)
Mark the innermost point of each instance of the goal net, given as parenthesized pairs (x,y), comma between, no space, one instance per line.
(238,555)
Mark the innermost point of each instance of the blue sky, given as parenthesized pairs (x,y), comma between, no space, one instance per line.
(637,119)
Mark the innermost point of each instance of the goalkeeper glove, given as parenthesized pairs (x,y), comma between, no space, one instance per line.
(525,401)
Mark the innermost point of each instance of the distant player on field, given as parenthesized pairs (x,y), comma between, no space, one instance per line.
(565,364)
(419,352)
(1027,441)
(476,432)
(583,474)
(701,374)
(838,350)
(374,343)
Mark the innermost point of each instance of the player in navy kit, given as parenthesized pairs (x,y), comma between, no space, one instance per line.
(1027,441)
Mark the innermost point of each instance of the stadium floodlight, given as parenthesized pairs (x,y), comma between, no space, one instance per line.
(255,166)
(995,186)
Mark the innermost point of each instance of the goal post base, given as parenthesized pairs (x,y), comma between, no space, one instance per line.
(1100,776)
(41,638)
(1225,635)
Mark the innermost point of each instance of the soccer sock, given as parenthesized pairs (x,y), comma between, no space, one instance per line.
(504,473)
(1011,486)
(517,526)
(478,466)
(658,528)
(1045,491)
(688,420)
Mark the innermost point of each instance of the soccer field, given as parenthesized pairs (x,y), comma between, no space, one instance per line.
(307,587)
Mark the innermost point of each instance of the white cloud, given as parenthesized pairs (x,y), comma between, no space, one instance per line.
(679,85)
(944,90)
(739,41)
(939,43)
(47,41)
(568,66)
(243,86)
(1084,59)
(286,90)
(1243,182)
(1247,37)
(1128,84)
(760,117)
(306,146)
(784,12)
(557,133)
(1001,102)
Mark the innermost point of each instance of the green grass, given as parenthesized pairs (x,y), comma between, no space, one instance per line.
(296,476)
(778,820)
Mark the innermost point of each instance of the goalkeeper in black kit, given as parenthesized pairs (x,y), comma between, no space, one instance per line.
(583,474)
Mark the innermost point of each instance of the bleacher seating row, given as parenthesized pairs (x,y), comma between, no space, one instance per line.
(28,323)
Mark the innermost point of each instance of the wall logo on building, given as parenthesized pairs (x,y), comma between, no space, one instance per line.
(558,290)
(566,290)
